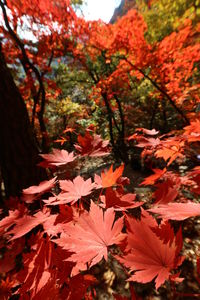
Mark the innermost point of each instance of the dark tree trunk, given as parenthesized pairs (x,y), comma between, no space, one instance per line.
(18,150)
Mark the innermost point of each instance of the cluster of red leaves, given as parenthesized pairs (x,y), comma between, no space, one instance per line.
(47,251)
(92,145)
(169,147)
(169,189)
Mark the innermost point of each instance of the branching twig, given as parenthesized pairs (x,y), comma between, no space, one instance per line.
(154,83)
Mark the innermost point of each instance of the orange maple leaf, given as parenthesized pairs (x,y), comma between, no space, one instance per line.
(69,129)
(170,151)
(150,180)
(109,178)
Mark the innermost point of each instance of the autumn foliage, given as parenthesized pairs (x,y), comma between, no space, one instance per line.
(56,233)
(60,229)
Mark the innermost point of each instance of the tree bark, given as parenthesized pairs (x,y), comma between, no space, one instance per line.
(18,149)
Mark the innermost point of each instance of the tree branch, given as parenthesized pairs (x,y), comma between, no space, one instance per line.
(154,83)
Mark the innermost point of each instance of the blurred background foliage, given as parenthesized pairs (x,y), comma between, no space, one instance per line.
(165,16)
(80,102)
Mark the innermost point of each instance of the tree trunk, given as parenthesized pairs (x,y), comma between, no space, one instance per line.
(18,150)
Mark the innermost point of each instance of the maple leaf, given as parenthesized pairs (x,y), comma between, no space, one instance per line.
(38,274)
(90,235)
(119,202)
(53,224)
(62,140)
(73,190)
(92,146)
(150,180)
(177,211)
(6,287)
(33,192)
(147,142)
(195,183)
(109,178)
(58,157)
(147,131)
(8,221)
(166,192)
(192,131)
(69,129)
(147,254)
(134,136)
(26,223)
(170,150)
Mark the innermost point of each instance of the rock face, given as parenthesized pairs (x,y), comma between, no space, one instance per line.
(118,12)
(122,9)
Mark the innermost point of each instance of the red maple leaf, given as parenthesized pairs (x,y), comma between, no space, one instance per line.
(170,150)
(33,192)
(192,131)
(6,287)
(142,141)
(61,140)
(26,223)
(109,178)
(92,145)
(8,221)
(40,267)
(150,180)
(147,254)
(147,142)
(119,202)
(69,129)
(73,190)
(148,131)
(167,192)
(58,157)
(90,235)
(177,211)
